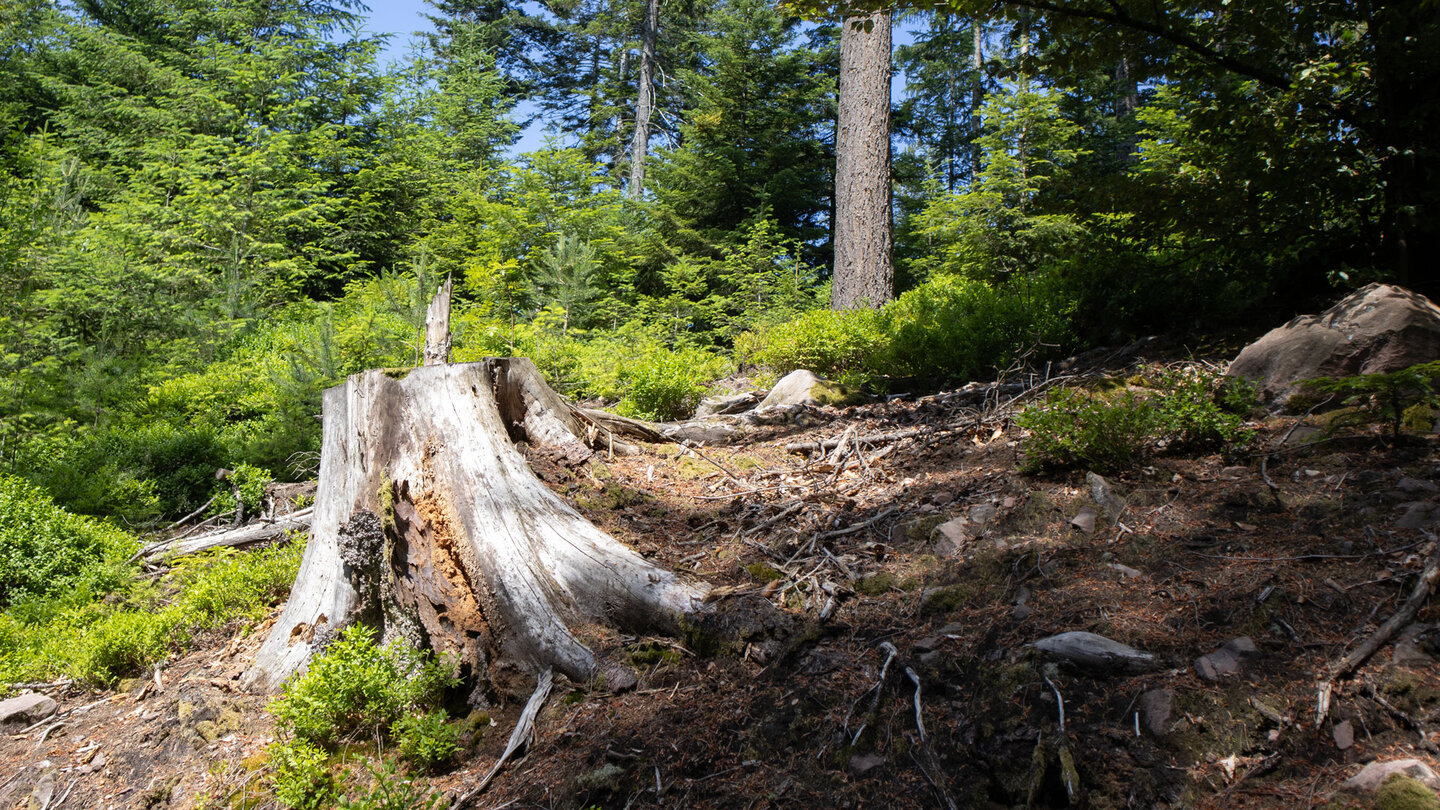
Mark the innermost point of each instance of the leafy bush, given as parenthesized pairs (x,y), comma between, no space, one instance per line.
(388,790)
(96,641)
(359,689)
(839,345)
(664,384)
(302,776)
(1076,428)
(426,740)
(250,481)
(46,550)
(1388,396)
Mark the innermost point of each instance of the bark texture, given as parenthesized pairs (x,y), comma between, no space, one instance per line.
(645,99)
(429,522)
(864,271)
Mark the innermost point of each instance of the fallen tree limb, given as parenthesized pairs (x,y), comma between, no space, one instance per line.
(230,538)
(874,438)
(523,733)
(1424,587)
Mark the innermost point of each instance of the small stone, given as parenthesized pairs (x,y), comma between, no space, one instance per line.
(1085,520)
(1008,502)
(25,709)
(1104,494)
(981,513)
(862,764)
(952,536)
(1372,776)
(941,498)
(928,643)
(1234,473)
(1344,734)
(1227,660)
(1021,612)
(1126,572)
(1095,652)
(1156,707)
(1417,516)
(1414,485)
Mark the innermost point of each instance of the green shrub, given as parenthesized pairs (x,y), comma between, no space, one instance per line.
(302,776)
(426,740)
(1076,428)
(389,790)
(668,384)
(95,641)
(359,689)
(1387,396)
(839,345)
(250,481)
(47,550)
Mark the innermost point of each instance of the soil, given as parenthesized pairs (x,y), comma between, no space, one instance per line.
(1187,553)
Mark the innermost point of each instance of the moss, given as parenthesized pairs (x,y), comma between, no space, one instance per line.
(397,372)
(691,468)
(744,462)
(607,777)
(877,584)
(653,655)
(946,600)
(1400,792)
(1419,418)
(256,761)
(764,572)
(828,392)
(1341,418)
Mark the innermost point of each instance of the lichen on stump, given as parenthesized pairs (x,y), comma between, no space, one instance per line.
(429,523)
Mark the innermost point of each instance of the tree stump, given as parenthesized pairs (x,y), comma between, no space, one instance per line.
(430,524)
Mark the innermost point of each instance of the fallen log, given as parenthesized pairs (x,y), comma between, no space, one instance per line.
(248,535)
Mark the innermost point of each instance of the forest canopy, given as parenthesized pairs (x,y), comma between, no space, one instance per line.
(211,211)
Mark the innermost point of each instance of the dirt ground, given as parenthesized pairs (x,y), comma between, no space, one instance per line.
(865,554)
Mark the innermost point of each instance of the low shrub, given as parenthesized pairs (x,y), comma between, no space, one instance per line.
(427,740)
(839,345)
(302,776)
(358,689)
(46,550)
(1386,396)
(1072,427)
(390,790)
(667,384)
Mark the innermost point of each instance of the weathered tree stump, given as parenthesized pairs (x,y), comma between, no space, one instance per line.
(429,523)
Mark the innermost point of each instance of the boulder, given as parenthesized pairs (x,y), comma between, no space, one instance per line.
(26,709)
(801,387)
(1375,330)
(1372,776)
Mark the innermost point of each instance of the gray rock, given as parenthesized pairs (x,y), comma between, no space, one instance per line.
(1377,329)
(952,536)
(862,764)
(941,498)
(1372,776)
(801,387)
(1125,571)
(1095,653)
(1021,612)
(1407,651)
(734,403)
(1156,708)
(26,709)
(1084,520)
(982,513)
(1418,516)
(1104,494)
(1344,735)
(1413,485)
(1228,660)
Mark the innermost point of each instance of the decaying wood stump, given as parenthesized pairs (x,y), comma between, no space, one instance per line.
(429,523)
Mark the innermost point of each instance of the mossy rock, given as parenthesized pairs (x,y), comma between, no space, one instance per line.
(1419,418)
(1342,418)
(1401,792)
(946,599)
(877,584)
(764,572)
(829,392)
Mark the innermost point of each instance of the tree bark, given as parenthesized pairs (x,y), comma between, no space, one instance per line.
(645,99)
(429,523)
(864,273)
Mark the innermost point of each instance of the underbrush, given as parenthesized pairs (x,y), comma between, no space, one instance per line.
(1112,431)
(98,637)
(45,550)
(358,691)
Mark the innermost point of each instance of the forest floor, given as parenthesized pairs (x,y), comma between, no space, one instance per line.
(1176,559)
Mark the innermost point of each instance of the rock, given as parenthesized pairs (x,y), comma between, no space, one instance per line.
(1407,651)
(1156,707)
(941,498)
(1411,486)
(26,709)
(982,513)
(1228,660)
(801,387)
(703,432)
(952,536)
(1096,653)
(1418,516)
(734,403)
(1344,735)
(43,791)
(1085,520)
(1021,612)
(1372,776)
(1377,329)
(1403,793)
(1126,572)
(862,764)
(1104,494)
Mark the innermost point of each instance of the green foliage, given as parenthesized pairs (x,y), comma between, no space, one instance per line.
(389,790)
(357,689)
(302,776)
(45,550)
(1072,427)
(428,739)
(668,384)
(77,634)
(250,481)
(838,345)
(1388,396)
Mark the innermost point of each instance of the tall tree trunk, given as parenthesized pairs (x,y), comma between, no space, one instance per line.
(645,100)
(977,94)
(864,272)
